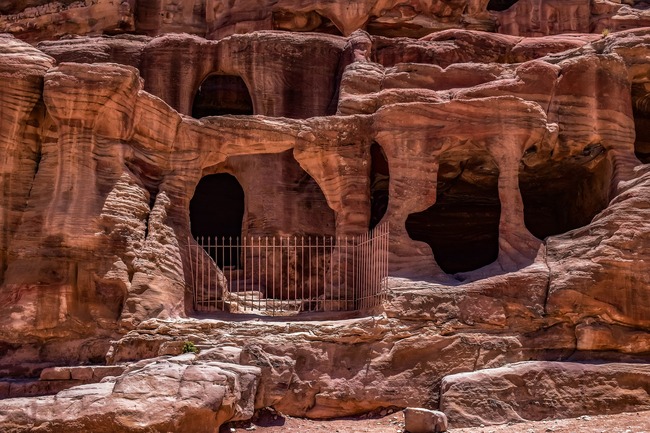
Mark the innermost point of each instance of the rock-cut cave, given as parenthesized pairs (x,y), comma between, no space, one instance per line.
(462,227)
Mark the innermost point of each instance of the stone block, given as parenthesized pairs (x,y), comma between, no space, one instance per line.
(418,420)
(102,371)
(56,373)
(81,373)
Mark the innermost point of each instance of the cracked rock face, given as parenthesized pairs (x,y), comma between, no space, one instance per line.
(539,390)
(509,166)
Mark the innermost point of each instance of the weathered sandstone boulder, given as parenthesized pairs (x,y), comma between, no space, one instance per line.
(337,368)
(177,394)
(418,420)
(542,390)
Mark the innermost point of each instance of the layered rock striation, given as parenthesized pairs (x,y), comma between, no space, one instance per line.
(38,20)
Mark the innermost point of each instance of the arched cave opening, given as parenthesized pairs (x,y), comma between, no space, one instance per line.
(222,94)
(217,210)
(559,196)
(462,227)
(379,183)
(500,5)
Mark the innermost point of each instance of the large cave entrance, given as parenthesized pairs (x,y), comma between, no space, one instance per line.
(222,94)
(462,227)
(217,212)
(563,195)
(379,183)
(500,5)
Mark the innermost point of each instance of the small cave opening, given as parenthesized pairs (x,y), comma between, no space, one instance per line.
(219,95)
(500,5)
(379,184)
(559,196)
(462,227)
(217,211)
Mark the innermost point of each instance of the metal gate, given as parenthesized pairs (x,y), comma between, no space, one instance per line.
(286,275)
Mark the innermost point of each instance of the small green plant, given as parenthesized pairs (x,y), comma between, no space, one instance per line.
(189,347)
(605,33)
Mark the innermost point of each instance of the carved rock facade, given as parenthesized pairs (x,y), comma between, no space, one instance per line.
(514,176)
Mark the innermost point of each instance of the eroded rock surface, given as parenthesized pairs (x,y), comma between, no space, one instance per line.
(541,390)
(37,20)
(177,394)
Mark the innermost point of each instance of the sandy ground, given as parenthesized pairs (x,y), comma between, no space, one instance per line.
(636,422)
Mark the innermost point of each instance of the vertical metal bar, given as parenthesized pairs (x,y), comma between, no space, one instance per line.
(353,274)
(288,271)
(223,270)
(238,265)
(357,272)
(252,280)
(362,270)
(338,272)
(345,276)
(381,266)
(251,283)
(245,244)
(295,268)
(215,277)
(266,273)
(273,261)
(230,284)
(331,274)
(370,274)
(259,272)
(317,271)
(310,275)
(369,271)
(375,265)
(196,277)
(302,270)
(359,269)
(202,276)
(324,274)
(365,271)
(387,264)
(189,255)
(209,277)
(381,262)
(281,271)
